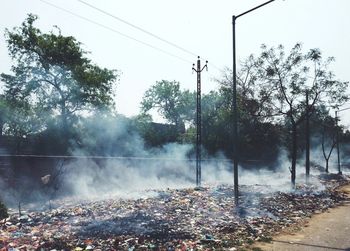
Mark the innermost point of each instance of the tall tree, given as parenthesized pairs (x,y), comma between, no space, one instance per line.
(52,73)
(173,104)
(281,81)
(259,138)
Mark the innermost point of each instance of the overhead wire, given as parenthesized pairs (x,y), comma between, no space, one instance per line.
(41,156)
(144,31)
(132,38)
(115,31)
(130,158)
(138,28)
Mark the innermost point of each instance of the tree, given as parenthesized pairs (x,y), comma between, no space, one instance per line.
(156,134)
(3,211)
(216,131)
(259,138)
(3,113)
(18,120)
(280,83)
(51,73)
(174,105)
(329,137)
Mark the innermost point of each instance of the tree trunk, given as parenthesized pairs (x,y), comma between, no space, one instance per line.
(1,131)
(327,157)
(1,126)
(64,129)
(294,153)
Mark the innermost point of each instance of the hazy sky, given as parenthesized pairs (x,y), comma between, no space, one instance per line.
(202,27)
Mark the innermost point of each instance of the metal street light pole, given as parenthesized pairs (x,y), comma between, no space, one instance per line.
(234,102)
(338,152)
(336,121)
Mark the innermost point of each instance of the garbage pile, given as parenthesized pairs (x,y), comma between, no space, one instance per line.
(178,219)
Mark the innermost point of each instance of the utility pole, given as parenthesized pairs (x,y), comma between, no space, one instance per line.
(338,154)
(307,135)
(199,120)
(235,114)
(234,101)
(338,151)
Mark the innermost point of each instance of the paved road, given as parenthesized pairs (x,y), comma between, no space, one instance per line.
(326,231)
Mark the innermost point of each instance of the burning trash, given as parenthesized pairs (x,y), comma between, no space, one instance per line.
(174,219)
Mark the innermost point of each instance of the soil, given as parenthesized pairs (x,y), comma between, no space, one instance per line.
(325,231)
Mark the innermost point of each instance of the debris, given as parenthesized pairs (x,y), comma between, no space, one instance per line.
(180,219)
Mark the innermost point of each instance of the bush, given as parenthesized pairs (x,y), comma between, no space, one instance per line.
(3,211)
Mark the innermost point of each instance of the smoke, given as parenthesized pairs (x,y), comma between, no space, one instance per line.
(318,161)
(169,167)
(137,170)
(131,176)
(345,157)
(124,168)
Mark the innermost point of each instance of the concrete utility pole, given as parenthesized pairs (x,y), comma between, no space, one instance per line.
(199,120)
(234,102)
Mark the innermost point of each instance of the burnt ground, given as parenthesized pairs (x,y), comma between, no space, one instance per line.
(176,219)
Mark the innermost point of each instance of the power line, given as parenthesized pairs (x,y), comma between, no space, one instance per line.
(331,106)
(145,31)
(138,28)
(130,37)
(42,156)
(216,67)
(344,109)
(116,31)
(39,156)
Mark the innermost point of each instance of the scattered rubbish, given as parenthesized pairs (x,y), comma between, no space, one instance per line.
(179,219)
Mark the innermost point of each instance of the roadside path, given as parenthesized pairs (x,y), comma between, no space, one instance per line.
(325,231)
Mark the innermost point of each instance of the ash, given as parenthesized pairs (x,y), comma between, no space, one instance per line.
(174,219)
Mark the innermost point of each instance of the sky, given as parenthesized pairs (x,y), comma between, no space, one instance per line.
(200,27)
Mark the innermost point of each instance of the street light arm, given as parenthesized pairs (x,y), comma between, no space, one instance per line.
(234,102)
(257,7)
(344,109)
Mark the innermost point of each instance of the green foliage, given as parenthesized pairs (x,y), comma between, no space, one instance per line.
(259,139)
(21,118)
(3,211)
(281,81)
(271,101)
(52,75)
(172,104)
(155,134)
(4,113)
(216,128)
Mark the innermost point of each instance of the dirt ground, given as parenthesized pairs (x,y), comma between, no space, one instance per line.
(326,231)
